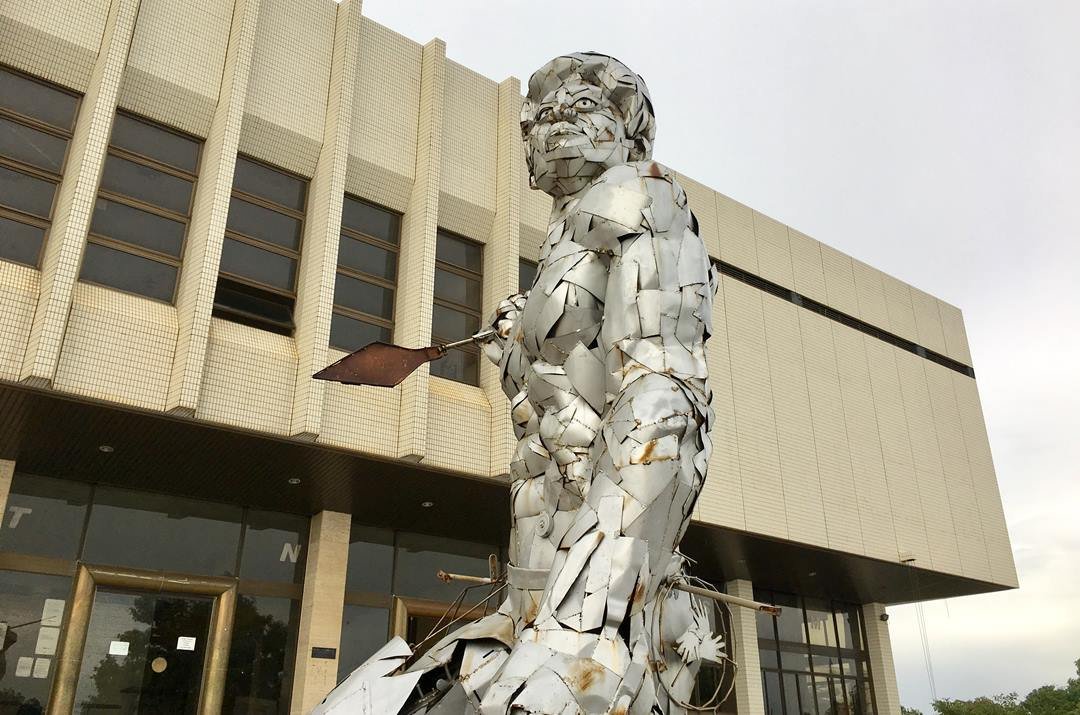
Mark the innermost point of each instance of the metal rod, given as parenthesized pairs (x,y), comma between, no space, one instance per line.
(448,577)
(474,338)
(697,590)
(725,598)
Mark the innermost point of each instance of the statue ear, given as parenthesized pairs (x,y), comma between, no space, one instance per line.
(642,150)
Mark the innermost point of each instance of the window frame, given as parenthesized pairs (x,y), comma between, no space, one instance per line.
(452,305)
(150,162)
(13,214)
(350,272)
(300,215)
(535,266)
(774,646)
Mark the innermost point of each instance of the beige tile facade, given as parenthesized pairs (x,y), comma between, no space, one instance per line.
(886,692)
(824,435)
(748,695)
(320,614)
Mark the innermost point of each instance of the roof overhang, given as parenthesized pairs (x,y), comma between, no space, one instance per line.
(54,434)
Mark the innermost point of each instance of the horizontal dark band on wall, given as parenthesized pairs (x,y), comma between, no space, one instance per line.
(833,314)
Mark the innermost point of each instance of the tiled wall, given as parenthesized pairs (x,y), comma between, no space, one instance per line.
(117,347)
(824,435)
(177,56)
(55,40)
(831,437)
(18,294)
(382,144)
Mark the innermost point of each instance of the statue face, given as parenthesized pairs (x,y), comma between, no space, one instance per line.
(574,136)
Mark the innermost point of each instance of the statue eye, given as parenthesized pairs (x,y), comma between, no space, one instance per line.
(585,103)
(544,113)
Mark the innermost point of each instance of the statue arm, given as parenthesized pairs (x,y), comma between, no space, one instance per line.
(503,321)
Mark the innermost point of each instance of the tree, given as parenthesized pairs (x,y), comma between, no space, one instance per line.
(1007,704)
(909,711)
(1047,700)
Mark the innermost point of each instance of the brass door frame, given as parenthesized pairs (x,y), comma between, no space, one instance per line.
(402,608)
(73,638)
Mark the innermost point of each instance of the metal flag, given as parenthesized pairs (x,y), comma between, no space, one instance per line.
(384,365)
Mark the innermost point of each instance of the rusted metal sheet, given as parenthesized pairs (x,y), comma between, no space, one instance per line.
(383,365)
(378,364)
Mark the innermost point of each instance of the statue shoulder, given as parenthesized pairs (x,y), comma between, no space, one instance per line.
(646,177)
(629,199)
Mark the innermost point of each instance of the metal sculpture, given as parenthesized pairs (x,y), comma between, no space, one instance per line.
(603,360)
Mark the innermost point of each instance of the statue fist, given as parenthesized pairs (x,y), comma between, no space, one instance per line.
(506,315)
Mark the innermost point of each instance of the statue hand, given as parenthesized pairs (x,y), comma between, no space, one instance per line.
(506,315)
(699,643)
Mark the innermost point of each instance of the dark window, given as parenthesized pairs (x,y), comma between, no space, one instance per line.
(24,599)
(458,302)
(363,631)
(141,214)
(36,120)
(261,654)
(366,275)
(371,560)
(420,557)
(44,517)
(526,275)
(812,657)
(154,531)
(273,547)
(257,284)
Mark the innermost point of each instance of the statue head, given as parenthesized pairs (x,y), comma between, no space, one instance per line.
(584,113)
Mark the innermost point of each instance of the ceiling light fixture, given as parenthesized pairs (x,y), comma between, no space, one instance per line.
(105,448)
(294,481)
(427,504)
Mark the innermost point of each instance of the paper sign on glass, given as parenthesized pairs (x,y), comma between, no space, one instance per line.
(52,613)
(41,667)
(185,643)
(118,648)
(23,667)
(47,638)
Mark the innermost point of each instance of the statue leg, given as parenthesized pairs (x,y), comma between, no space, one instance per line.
(590,645)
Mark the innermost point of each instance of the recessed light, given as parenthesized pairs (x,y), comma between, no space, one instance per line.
(294,481)
(105,448)
(427,504)
(812,574)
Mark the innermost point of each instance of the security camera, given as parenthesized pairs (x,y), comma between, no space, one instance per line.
(884,616)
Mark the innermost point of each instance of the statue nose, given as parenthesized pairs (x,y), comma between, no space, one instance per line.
(564,113)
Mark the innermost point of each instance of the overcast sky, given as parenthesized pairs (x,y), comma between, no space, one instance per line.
(938,141)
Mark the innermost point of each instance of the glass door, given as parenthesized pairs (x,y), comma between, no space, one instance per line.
(144,653)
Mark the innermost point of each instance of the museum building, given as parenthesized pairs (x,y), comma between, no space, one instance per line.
(204,202)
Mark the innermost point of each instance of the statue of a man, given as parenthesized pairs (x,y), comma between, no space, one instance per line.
(603,360)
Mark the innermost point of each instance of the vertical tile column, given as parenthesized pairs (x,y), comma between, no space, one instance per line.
(501,259)
(416,278)
(321,609)
(7,472)
(315,290)
(75,198)
(878,643)
(206,232)
(749,699)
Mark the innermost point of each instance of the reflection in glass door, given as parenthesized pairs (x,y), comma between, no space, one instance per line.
(144,653)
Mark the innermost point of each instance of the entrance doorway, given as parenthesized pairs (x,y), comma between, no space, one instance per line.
(144,653)
(138,642)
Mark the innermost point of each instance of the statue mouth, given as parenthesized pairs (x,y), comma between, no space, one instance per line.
(562,137)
